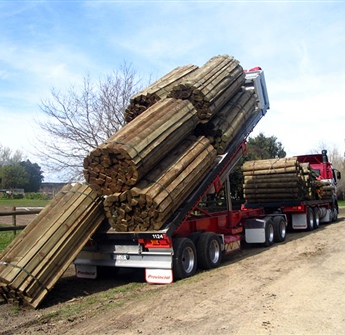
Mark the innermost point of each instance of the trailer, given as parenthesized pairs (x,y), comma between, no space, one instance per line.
(201,231)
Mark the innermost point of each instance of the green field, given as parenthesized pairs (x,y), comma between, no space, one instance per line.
(23,202)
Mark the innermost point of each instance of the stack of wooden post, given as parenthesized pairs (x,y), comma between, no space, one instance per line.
(157,91)
(324,189)
(211,86)
(226,124)
(134,150)
(31,265)
(146,170)
(277,179)
(150,203)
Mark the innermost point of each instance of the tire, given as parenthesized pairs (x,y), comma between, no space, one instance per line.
(310,219)
(269,233)
(334,214)
(279,226)
(185,258)
(209,251)
(316,216)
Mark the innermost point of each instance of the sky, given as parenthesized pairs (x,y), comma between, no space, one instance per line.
(300,45)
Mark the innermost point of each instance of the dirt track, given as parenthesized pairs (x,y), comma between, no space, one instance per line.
(295,287)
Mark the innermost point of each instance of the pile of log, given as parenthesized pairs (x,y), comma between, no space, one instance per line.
(149,168)
(154,199)
(157,91)
(277,179)
(233,116)
(211,86)
(31,265)
(323,189)
(135,149)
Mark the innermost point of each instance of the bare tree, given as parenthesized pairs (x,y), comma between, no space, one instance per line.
(8,157)
(81,119)
(339,164)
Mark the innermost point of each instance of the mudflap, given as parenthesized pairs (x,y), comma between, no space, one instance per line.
(159,276)
(255,231)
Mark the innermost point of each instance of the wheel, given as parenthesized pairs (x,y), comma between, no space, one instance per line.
(209,251)
(334,214)
(316,217)
(279,226)
(269,233)
(310,219)
(334,210)
(185,259)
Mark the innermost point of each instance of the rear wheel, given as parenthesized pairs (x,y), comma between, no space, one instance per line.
(269,233)
(310,219)
(185,259)
(279,225)
(209,251)
(334,214)
(316,215)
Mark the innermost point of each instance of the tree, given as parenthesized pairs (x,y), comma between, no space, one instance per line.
(13,176)
(81,119)
(259,147)
(7,156)
(35,176)
(262,147)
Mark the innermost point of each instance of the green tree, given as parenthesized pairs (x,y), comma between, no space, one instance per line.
(262,147)
(259,147)
(35,176)
(13,176)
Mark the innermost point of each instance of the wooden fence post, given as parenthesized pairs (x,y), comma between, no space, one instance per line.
(14,220)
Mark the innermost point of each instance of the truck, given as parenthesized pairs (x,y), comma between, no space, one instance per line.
(206,226)
(308,214)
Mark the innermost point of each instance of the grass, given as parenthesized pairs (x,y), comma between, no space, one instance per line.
(112,298)
(6,237)
(23,202)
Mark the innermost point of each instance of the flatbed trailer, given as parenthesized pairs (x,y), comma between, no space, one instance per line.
(307,214)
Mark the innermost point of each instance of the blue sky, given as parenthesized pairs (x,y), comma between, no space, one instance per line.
(299,44)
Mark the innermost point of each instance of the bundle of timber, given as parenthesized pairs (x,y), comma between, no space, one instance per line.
(135,149)
(31,265)
(280,179)
(324,189)
(154,199)
(211,86)
(233,116)
(157,91)
(148,168)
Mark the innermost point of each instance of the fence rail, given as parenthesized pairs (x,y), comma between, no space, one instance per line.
(18,211)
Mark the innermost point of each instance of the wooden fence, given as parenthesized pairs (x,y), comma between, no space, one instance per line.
(18,211)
